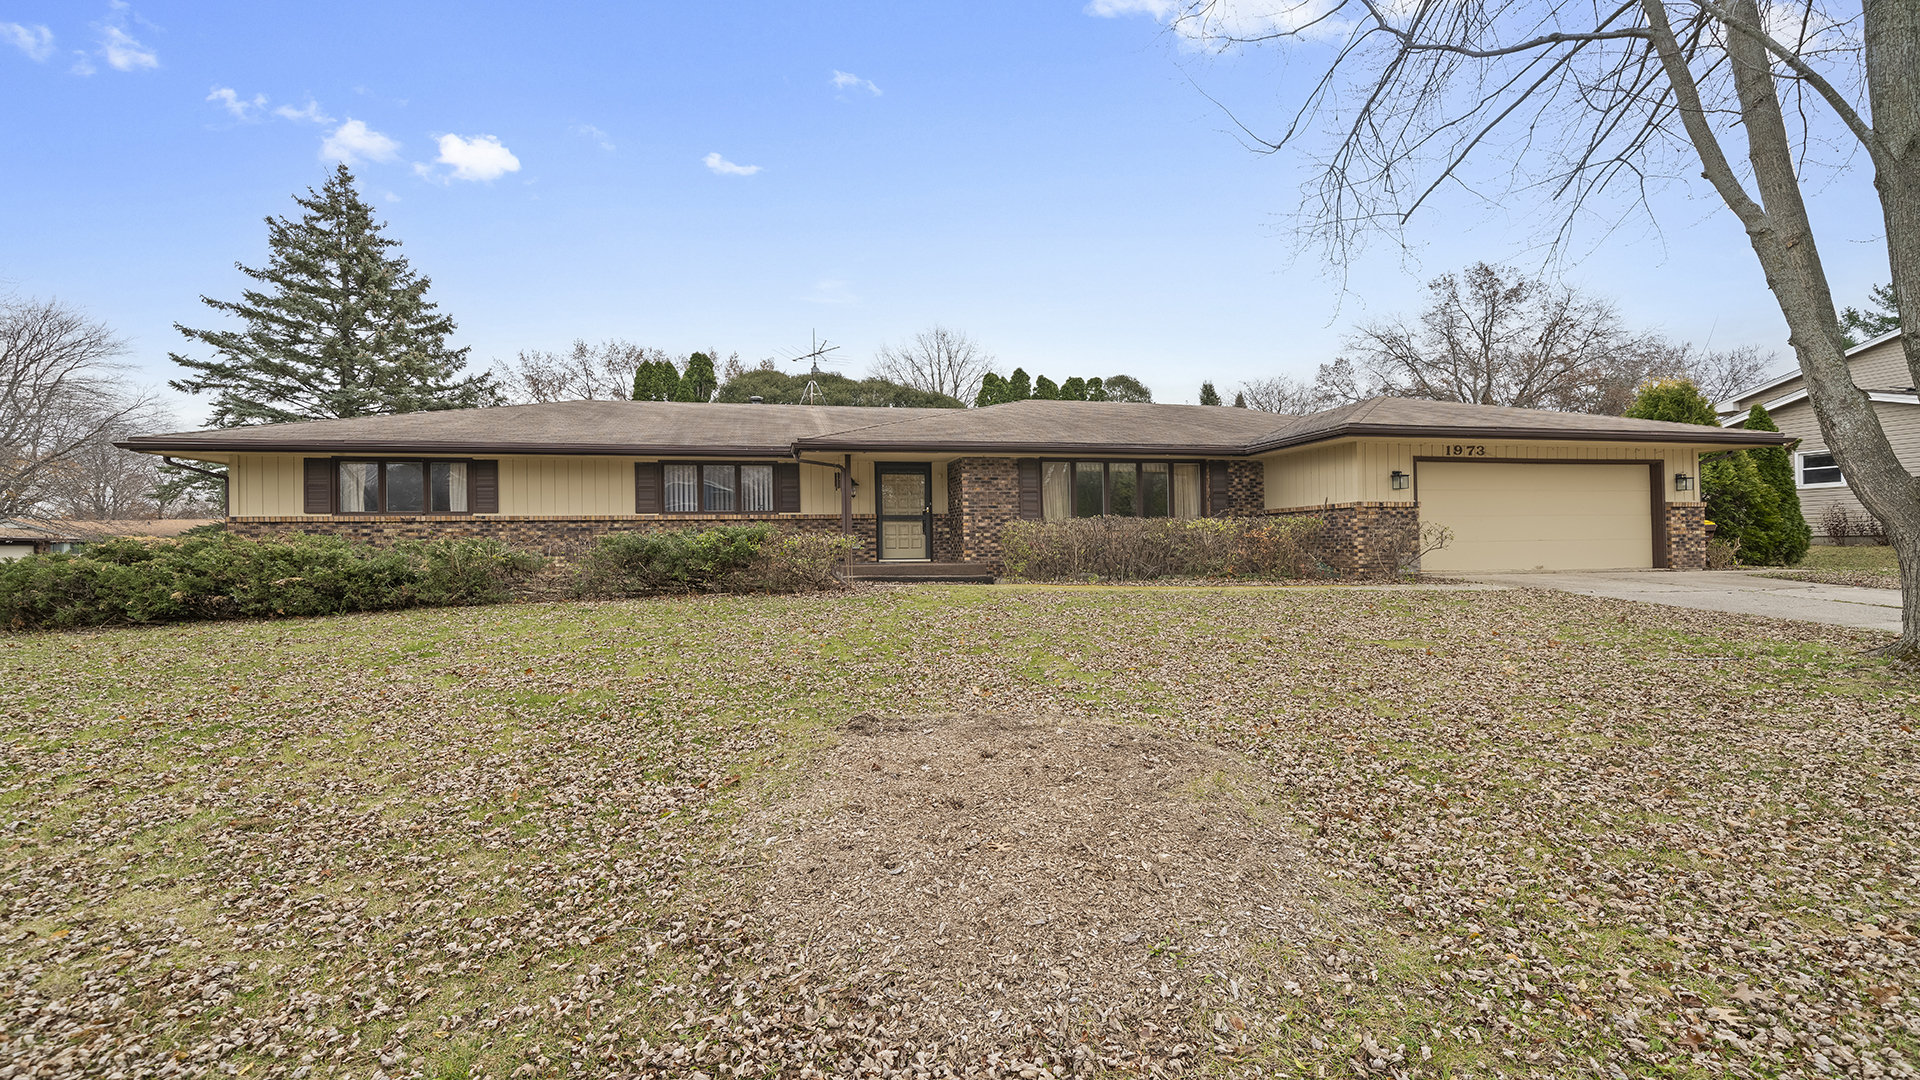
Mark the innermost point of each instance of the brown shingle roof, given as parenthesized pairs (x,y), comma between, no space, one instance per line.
(1036,426)
(565,427)
(1414,418)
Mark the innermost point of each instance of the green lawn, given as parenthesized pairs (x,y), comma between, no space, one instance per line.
(1579,835)
(1879,560)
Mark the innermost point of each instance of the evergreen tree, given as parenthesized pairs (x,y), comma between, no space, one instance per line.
(1046,389)
(1019,387)
(1208,395)
(342,328)
(993,390)
(1775,466)
(1127,388)
(1096,389)
(1240,400)
(699,380)
(1074,389)
(656,380)
(1676,401)
(1858,326)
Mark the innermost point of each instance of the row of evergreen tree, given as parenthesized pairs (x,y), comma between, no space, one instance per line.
(1750,494)
(999,390)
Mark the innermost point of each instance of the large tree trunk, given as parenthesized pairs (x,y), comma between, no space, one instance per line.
(1782,238)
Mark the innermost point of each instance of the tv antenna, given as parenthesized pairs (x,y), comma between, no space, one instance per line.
(818,352)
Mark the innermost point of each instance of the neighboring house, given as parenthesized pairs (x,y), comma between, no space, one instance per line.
(1521,489)
(20,538)
(1880,368)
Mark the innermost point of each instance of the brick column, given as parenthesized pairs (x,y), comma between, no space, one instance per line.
(983,494)
(1686,536)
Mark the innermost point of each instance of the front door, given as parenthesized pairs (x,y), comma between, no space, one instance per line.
(906,510)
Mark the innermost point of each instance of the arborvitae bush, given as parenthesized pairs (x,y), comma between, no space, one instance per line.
(1743,505)
(1789,545)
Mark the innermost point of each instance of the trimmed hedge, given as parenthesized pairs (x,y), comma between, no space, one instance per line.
(1131,549)
(727,558)
(222,576)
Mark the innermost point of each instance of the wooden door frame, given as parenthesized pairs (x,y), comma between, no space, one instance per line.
(911,468)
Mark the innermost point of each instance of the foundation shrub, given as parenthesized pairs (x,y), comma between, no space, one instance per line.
(223,576)
(728,558)
(1132,549)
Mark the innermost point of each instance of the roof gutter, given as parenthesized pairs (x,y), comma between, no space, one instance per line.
(462,449)
(1732,438)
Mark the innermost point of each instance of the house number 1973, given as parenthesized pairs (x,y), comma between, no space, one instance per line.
(1457,450)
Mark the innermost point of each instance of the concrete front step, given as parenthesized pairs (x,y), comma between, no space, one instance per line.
(924,571)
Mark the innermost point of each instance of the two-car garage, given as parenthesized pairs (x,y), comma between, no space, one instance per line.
(1509,515)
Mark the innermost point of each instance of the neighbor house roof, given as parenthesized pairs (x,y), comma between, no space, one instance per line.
(107,529)
(1734,403)
(43,532)
(665,429)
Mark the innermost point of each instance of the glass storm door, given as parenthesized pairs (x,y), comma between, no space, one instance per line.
(906,510)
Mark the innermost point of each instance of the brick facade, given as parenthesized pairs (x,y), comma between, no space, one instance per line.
(1686,539)
(983,494)
(1359,536)
(1246,488)
(557,536)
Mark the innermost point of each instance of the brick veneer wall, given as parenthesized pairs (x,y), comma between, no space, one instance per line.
(560,536)
(1687,536)
(983,494)
(1246,488)
(1358,535)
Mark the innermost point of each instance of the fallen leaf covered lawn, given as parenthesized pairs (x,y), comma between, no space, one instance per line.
(1580,836)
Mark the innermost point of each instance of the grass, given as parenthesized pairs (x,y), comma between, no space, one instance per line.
(1877,560)
(499,841)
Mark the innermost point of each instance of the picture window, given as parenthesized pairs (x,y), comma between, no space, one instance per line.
(400,487)
(1119,489)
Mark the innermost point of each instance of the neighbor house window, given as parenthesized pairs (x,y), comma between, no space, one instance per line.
(401,487)
(1819,470)
(1118,488)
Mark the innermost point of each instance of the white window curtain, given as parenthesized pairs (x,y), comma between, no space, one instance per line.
(683,489)
(756,489)
(1186,491)
(450,487)
(1056,490)
(359,487)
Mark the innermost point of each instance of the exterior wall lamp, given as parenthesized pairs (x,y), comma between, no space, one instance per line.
(1682,482)
(1401,481)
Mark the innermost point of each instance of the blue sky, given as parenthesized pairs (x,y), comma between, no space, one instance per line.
(1051,180)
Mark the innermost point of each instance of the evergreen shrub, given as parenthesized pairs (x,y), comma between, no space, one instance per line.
(727,558)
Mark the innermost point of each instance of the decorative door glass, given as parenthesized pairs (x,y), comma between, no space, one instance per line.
(903,507)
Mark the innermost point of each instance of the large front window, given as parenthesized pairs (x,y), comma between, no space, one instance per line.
(717,489)
(401,487)
(1119,488)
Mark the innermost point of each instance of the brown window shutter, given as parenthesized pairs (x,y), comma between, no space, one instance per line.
(786,488)
(1216,489)
(483,487)
(1029,472)
(319,486)
(646,487)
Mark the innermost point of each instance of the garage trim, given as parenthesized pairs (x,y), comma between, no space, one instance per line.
(1656,488)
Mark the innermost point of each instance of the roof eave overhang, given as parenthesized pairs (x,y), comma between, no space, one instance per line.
(457,449)
(1716,436)
(1004,449)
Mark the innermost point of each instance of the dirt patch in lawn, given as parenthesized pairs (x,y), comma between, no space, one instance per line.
(1038,876)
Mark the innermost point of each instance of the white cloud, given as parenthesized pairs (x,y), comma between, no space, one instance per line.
(1222,22)
(353,142)
(124,53)
(36,40)
(479,158)
(391,197)
(589,131)
(846,80)
(310,112)
(727,168)
(231,101)
(81,64)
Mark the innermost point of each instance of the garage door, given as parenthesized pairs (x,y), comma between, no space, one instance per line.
(1509,516)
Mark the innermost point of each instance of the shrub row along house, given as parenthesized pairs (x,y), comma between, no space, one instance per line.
(1519,488)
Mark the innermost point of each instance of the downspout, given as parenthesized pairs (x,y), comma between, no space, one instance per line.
(226,501)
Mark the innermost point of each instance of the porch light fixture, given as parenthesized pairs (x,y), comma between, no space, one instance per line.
(1401,481)
(1682,482)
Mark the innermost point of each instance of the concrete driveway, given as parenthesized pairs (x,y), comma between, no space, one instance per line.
(1737,591)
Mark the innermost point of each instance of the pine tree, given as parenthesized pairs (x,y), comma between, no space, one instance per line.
(1074,389)
(1046,389)
(699,380)
(1240,400)
(656,380)
(343,328)
(1775,466)
(1208,395)
(993,390)
(1881,316)
(1019,387)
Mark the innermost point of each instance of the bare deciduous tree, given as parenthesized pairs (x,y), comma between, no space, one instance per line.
(1575,101)
(61,390)
(938,361)
(602,372)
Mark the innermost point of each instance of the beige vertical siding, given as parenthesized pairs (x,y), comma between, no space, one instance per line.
(267,485)
(1900,421)
(1883,367)
(566,486)
(1362,470)
(1309,477)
